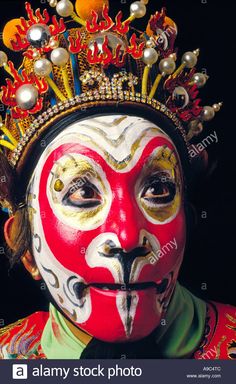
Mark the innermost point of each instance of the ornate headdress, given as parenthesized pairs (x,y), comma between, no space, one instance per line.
(95,62)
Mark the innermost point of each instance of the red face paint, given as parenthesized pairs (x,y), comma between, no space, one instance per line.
(119,234)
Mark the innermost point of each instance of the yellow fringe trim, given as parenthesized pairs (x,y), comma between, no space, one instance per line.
(178,70)
(145,80)
(66,83)
(131,18)
(8,145)
(7,69)
(19,125)
(78,20)
(55,89)
(155,85)
(9,135)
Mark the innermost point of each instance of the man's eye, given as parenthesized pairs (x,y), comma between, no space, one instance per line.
(159,192)
(86,196)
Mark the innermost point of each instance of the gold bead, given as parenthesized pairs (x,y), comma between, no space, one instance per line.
(58,186)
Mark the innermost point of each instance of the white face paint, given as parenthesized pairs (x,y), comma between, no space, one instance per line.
(100,211)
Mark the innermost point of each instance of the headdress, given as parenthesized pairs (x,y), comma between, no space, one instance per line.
(82,59)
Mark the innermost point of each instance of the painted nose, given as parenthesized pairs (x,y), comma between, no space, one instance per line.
(126,220)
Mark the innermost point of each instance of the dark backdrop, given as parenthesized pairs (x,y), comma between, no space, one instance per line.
(209,268)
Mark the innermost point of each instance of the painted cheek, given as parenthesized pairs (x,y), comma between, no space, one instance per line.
(173,233)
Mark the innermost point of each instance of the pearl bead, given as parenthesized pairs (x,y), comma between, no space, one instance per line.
(53,3)
(3,59)
(138,9)
(60,57)
(190,59)
(199,79)
(38,35)
(173,56)
(53,43)
(167,66)
(208,113)
(36,55)
(150,43)
(43,67)
(26,96)
(217,107)
(65,8)
(150,56)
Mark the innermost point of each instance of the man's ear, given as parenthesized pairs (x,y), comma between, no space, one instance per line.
(8,232)
(27,259)
(31,266)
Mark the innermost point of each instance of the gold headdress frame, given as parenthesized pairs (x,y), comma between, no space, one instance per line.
(98,61)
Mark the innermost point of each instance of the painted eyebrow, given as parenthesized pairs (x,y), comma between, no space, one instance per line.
(158,175)
(58,164)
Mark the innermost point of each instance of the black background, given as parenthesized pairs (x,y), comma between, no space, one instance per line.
(210,258)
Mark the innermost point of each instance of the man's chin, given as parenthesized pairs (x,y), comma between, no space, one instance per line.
(120,316)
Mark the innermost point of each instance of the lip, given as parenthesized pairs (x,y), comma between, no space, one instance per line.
(160,287)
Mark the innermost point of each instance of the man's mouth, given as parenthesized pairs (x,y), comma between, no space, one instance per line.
(160,286)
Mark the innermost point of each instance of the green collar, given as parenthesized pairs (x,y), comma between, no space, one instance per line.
(181,332)
(178,336)
(58,342)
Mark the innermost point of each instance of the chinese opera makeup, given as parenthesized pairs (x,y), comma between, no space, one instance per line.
(96,149)
(111,187)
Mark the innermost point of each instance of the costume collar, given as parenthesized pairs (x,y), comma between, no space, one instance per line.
(58,341)
(181,332)
(178,336)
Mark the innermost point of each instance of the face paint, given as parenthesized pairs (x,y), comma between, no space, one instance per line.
(108,224)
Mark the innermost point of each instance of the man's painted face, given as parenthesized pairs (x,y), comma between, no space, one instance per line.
(108,224)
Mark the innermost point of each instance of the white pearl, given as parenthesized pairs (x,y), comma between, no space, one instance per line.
(138,9)
(43,67)
(199,79)
(150,56)
(3,59)
(167,66)
(53,3)
(26,96)
(60,57)
(65,8)
(208,113)
(190,59)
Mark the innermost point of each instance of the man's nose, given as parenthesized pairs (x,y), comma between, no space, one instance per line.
(126,220)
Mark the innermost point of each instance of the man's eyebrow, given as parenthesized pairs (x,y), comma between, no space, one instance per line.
(71,157)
